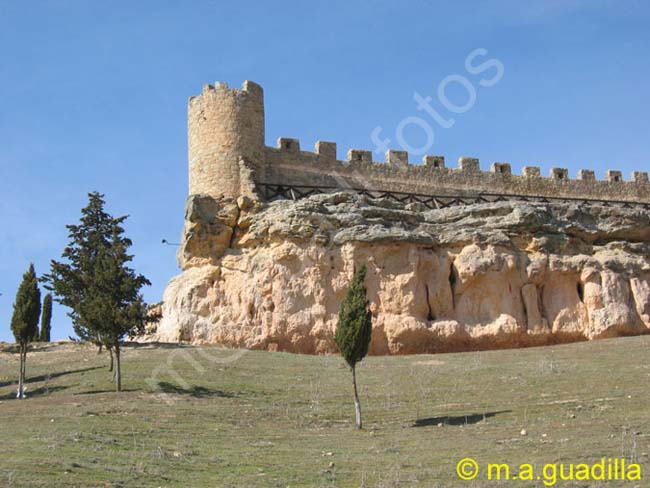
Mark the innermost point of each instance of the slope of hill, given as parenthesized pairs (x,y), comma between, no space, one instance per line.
(250,418)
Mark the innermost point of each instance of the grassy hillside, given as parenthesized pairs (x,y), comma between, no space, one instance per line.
(276,419)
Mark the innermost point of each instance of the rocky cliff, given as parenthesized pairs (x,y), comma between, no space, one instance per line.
(271,276)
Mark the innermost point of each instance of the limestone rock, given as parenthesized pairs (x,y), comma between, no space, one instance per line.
(272,276)
(207,231)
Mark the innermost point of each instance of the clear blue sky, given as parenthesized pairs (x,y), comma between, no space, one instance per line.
(93,97)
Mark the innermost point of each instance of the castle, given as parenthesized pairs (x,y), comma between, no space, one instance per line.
(228,158)
(457,259)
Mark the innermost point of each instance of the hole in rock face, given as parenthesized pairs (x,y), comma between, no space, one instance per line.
(452,284)
(430,315)
(452,278)
(581,291)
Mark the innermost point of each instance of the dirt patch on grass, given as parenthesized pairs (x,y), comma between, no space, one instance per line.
(431,362)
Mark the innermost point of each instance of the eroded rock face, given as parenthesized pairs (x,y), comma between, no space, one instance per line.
(479,276)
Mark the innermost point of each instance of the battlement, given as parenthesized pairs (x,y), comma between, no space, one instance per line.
(236,117)
(325,152)
(247,87)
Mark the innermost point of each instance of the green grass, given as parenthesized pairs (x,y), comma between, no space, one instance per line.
(276,419)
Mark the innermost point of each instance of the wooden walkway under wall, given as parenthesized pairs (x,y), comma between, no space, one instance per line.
(273,192)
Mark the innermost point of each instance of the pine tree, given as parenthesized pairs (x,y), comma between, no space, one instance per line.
(24,321)
(113,304)
(69,279)
(97,284)
(354,330)
(46,318)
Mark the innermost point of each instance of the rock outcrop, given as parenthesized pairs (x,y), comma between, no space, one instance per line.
(271,276)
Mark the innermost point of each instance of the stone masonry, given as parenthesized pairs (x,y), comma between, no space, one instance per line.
(507,264)
(228,157)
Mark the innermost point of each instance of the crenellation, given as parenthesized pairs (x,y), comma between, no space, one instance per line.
(398,158)
(359,156)
(468,164)
(559,174)
(326,150)
(614,176)
(252,88)
(587,175)
(437,162)
(501,168)
(288,144)
(227,156)
(531,172)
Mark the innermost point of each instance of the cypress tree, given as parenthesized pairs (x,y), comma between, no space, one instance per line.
(69,278)
(46,318)
(96,283)
(113,305)
(354,330)
(24,321)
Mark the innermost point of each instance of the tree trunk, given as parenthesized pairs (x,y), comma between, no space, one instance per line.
(25,369)
(99,348)
(110,351)
(19,393)
(21,377)
(357,405)
(118,372)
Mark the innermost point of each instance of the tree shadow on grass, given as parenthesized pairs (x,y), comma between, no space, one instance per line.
(37,392)
(193,391)
(157,345)
(50,376)
(112,390)
(472,418)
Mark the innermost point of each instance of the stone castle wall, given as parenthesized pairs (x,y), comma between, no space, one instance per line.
(227,156)
(497,274)
(224,127)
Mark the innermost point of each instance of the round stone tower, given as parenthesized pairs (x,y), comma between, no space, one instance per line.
(224,126)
